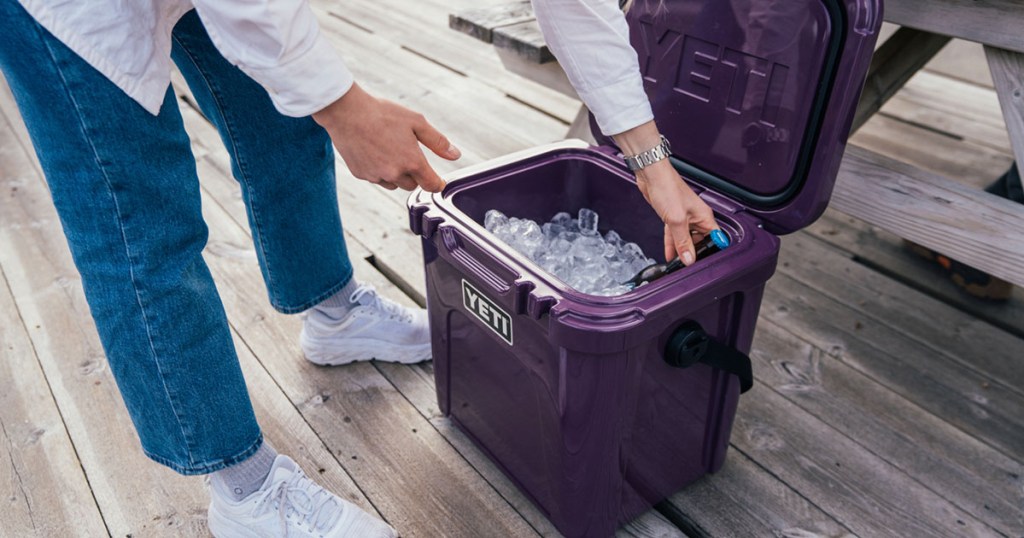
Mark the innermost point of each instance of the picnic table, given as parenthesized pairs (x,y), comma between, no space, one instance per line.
(963,223)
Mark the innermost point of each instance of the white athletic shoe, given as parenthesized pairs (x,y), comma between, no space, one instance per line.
(291,505)
(376,329)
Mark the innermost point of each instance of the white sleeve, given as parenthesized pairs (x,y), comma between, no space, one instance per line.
(590,38)
(279,44)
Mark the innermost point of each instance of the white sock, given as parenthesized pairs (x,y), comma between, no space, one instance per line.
(340,303)
(247,476)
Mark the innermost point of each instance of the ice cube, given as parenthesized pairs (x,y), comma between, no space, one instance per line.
(531,237)
(495,220)
(562,219)
(631,252)
(569,236)
(588,221)
(588,248)
(613,238)
(573,250)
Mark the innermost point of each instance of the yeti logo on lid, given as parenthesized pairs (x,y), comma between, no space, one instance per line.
(486,311)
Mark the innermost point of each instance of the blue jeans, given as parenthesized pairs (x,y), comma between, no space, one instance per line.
(125,186)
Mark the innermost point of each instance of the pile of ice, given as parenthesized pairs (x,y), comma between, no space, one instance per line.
(573,250)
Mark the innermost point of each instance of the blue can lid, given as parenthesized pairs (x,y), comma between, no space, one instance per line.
(720,240)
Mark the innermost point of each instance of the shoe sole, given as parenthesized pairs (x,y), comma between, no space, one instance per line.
(222,527)
(361,350)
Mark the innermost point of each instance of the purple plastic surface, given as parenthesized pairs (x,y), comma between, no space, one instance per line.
(570,393)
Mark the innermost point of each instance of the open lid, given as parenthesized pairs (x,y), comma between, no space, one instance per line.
(757,96)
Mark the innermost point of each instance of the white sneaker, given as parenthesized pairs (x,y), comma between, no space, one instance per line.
(290,504)
(376,329)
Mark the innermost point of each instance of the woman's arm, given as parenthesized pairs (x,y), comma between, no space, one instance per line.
(590,38)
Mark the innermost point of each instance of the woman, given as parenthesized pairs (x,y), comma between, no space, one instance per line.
(91,80)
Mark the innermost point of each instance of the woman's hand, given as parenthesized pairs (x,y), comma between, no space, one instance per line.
(379,141)
(687,218)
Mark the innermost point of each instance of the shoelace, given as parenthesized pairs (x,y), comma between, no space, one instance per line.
(392,309)
(304,498)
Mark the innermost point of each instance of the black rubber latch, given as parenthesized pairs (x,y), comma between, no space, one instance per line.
(690,344)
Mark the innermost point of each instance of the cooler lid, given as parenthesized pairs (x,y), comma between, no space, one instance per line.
(757,96)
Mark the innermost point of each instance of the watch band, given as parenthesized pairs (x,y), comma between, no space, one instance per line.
(646,158)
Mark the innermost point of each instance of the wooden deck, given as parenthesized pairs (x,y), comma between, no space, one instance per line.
(887,403)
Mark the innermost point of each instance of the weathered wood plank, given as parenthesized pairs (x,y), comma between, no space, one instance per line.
(524,40)
(993,22)
(942,154)
(976,403)
(883,252)
(963,61)
(963,111)
(390,19)
(894,63)
(481,22)
(1008,74)
(42,481)
(548,74)
(461,107)
(135,495)
(745,499)
(937,328)
(862,491)
(963,223)
(946,459)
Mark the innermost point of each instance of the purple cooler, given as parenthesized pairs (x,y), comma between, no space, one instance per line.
(600,407)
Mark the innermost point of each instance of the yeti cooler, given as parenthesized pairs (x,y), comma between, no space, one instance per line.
(600,407)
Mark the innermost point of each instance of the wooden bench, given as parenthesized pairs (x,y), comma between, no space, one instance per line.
(929,209)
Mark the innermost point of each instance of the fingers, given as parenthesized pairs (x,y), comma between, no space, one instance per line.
(383,183)
(670,245)
(435,141)
(418,175)
(425,176)
(702,221)
(682,243)
(405,182)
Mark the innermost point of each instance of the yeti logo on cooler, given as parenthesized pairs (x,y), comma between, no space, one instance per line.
(711,73)
(487,312)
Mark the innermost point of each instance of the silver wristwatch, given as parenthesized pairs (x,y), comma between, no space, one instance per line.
(646,158)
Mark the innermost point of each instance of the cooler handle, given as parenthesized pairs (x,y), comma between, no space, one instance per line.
(691,344)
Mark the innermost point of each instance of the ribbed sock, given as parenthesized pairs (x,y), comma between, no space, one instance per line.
(245,477)
(340,303)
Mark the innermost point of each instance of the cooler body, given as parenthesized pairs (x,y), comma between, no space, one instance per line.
(569,393)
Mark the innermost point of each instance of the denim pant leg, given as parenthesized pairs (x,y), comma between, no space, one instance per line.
(125,187)
(286,170)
